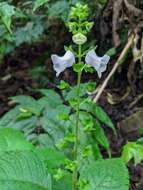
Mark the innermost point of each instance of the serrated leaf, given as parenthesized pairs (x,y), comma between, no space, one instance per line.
(23,170)
(109,174)
(132,150)
(99,113)
(39,3)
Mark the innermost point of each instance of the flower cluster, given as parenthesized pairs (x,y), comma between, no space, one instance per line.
(61,63)
(79,26)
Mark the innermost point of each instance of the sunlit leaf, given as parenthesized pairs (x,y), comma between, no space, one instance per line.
(12,140)
(132,150)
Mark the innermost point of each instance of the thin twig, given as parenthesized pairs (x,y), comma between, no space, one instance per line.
(139,97)
(125,50)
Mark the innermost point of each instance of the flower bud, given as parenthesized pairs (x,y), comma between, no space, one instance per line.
(79,38)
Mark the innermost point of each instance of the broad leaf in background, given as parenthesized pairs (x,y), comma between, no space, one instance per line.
(41,140)
(9,117)
(29,33)
(45,114)
(6,13)
(110,174)
(39,3)
(59,10)
(52,124)
(12,140)
(132,150)
(28,103)
(51,98)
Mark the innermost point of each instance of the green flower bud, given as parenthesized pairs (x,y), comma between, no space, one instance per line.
(79,38)
(80,12)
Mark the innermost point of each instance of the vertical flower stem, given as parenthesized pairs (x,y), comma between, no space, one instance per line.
(76,131)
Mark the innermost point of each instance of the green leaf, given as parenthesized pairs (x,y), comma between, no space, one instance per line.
(28,103)
(84,89)
(88,136)
(29,33)
(12,140)
(109,174)
(78,67)
(63,85)
(23,170)
(39,3)
(65,183)
(59,9)
(53,126)
(51,157)
(41,140)
(132,150)
(52,98)
(99,113)
(9,117)
(88,69)
(103,117)
(6,13)
(100,136)
(111,51)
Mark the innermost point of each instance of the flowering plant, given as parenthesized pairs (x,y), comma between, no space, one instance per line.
(79,28)
(85,154)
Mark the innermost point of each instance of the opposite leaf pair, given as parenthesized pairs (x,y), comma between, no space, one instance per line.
(61,63)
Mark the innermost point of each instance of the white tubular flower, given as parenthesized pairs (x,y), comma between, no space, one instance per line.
(99,63)
(61,63)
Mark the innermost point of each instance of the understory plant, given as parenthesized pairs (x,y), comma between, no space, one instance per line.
(61,147)
(82,59)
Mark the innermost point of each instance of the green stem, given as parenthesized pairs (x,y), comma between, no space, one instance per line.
(75,172)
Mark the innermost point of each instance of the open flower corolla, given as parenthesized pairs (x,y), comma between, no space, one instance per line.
(99,63)
(61,63)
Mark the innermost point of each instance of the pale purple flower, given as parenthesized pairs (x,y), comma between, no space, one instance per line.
(61,63)
(99,63)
